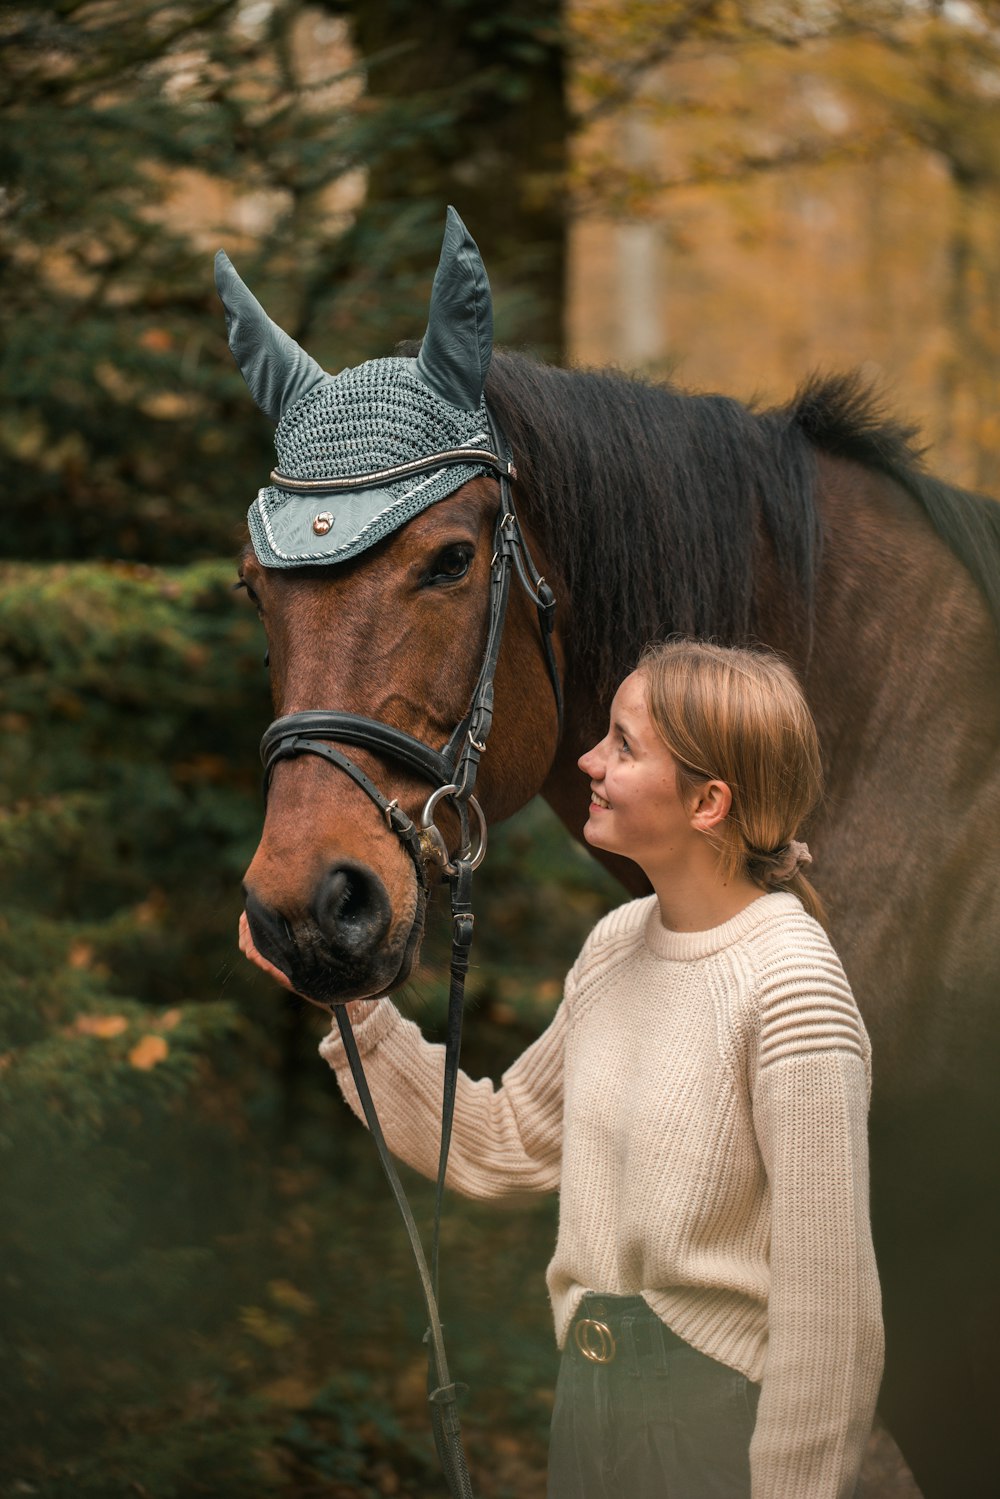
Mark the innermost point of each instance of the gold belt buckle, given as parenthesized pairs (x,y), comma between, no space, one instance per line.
(595,1340)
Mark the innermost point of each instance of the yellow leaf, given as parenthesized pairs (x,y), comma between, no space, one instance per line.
(289,1296)
(148,1052)
(158,340)
(270,1331)
(169,1019)
(80,955)
(104,1026)
(151,910)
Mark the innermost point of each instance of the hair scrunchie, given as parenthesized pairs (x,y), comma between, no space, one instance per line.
(789,860)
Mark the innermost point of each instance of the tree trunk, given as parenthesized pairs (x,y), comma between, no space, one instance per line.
(495,79)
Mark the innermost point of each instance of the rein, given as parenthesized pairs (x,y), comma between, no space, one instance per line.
(452,771)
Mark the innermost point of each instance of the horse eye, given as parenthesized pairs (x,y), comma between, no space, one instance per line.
(242,583)
(450,564)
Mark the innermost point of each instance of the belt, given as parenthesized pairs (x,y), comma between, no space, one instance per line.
(597,1328)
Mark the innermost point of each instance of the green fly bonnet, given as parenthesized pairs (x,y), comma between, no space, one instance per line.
(362,452)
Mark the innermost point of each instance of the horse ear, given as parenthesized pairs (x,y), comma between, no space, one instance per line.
(277,371)
(458,345)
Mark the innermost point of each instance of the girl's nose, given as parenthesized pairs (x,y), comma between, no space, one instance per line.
(589,764)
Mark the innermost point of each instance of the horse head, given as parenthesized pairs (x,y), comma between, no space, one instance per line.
(377,559)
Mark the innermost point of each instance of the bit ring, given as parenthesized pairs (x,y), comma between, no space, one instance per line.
(434,840)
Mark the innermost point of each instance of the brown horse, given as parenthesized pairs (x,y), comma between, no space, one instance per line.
(814,529)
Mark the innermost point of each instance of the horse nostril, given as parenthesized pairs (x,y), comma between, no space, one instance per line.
(351,908)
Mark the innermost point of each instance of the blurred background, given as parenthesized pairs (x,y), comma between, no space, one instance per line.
(203,1285)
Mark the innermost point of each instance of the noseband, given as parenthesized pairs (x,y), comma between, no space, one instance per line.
(452,771)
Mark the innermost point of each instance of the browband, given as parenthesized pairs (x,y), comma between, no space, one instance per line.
(502,466)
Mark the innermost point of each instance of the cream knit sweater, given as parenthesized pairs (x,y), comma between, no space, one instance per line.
(700,1103)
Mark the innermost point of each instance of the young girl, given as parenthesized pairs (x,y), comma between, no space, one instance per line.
(699,1102)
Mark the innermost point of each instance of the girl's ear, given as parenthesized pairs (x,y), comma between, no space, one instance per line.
(710,805)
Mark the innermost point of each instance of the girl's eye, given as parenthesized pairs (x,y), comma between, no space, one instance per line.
(625,745)
(450,564)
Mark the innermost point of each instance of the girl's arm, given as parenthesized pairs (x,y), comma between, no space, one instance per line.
(825,1341)
(505,1142)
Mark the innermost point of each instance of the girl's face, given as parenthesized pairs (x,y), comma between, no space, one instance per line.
(636,807)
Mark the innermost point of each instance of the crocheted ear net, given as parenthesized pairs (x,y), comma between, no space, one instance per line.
(364,419)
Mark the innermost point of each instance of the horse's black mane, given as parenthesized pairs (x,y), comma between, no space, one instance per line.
(653,499)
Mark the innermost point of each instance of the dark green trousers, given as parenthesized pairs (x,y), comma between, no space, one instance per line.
(640,1414)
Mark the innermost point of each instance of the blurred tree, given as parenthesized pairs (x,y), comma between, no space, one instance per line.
(943,94)
(113,415)
(494,80)
(135,137)
(124,1051)
(674,97)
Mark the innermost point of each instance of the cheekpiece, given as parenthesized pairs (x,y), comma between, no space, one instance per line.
(361,421)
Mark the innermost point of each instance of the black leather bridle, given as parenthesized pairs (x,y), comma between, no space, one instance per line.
(452,771)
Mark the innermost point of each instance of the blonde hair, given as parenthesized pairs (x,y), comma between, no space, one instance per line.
(739,716)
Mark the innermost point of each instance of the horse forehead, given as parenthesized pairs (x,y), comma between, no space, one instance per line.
(355,590)
(469,509)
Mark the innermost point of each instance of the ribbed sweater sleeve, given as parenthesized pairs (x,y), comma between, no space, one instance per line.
(825,1347)
(506,1141)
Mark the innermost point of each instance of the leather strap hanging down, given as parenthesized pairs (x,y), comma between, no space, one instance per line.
(442,1392)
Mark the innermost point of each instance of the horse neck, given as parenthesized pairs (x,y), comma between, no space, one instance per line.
(647,504)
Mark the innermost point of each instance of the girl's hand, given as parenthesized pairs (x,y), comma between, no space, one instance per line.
(357,1009)
(248,950)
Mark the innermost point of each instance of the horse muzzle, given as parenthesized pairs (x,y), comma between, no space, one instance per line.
(342,947)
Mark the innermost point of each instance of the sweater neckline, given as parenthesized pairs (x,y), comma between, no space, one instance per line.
(683,946)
